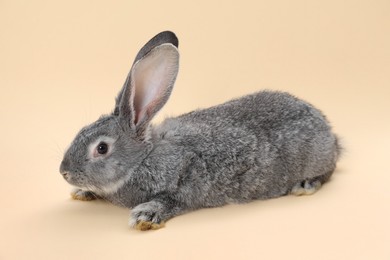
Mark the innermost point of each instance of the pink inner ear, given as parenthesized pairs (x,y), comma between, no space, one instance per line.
(153,77)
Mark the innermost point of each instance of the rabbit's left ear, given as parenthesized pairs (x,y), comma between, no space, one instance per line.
(157,40)
(149,86)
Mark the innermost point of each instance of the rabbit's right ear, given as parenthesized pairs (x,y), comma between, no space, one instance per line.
(159,39)
(149,83)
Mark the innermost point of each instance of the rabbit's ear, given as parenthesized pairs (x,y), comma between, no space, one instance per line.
(159,39)
(149,85)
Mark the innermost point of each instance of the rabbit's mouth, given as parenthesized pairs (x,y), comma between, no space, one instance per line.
(72,178)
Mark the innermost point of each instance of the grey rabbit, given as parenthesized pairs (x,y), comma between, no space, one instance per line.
(259,146)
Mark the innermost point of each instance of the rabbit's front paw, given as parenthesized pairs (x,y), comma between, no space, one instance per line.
(147,216)
(78,194)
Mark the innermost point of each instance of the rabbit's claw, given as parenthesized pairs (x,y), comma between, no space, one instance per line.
(78,194)
(147,225)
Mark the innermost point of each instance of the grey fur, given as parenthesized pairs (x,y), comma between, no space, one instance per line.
(260,146)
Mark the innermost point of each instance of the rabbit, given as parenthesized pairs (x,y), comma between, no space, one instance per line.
(260,146)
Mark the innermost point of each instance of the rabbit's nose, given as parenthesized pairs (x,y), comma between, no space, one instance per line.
(65,175)
(63,167)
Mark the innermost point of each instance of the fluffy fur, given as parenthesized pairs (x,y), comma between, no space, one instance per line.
(260,146)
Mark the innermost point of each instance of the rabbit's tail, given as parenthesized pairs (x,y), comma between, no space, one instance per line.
(339,148)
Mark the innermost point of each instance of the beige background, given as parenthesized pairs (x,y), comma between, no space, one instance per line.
(63,62)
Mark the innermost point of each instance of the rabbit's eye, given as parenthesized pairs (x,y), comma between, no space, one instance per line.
(102,148)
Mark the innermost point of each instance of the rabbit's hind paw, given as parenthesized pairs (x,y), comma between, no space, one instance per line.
(306,188)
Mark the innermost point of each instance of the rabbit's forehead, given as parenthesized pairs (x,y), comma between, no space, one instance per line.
(103,127)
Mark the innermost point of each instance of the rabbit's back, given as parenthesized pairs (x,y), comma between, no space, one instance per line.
(257,146)
(265,110)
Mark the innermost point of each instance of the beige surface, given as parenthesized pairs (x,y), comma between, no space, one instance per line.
(61,64)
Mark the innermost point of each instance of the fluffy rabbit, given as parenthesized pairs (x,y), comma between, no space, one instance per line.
(260,146)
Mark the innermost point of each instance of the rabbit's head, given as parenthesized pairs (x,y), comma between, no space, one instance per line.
(103,153)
